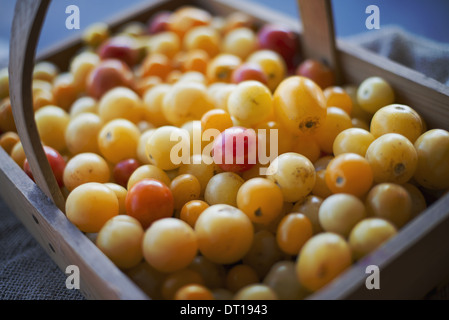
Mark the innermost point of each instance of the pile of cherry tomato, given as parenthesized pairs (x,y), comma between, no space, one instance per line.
(196,217)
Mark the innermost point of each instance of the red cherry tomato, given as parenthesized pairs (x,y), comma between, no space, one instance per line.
(235,149)
(56,161)
(316,71)
(119,47)
(281,40)
(149,200)
(249,71)
(159,22)
(108,74)
(123,170)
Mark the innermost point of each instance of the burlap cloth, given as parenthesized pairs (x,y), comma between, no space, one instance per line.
(426,56)
(26,272)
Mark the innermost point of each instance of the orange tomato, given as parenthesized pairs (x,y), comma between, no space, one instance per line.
(299,105)
(149,200)
(349,173)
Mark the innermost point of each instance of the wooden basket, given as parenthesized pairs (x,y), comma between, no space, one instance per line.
(411,264)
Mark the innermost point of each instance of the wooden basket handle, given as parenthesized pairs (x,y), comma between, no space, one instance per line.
(318,34)
(27,23)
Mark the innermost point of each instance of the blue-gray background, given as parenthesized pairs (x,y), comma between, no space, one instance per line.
(428,18)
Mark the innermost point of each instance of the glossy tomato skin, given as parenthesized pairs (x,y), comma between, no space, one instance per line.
(159,22)
(108,74)
(57,164)
(249,71)
(316,71)
(149,200)
(119,47)
(242,143)
(281,40)
(123,170)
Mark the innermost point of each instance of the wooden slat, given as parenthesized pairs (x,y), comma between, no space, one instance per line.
(27,23)
(318,34)
(63,242)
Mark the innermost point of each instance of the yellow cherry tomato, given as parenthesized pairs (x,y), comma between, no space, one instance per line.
(294,174)
(250,102)
(323,258)
(86,167)
(45,70)
(82,132)
(340,212)
(338,97)
(222,188)
(162,147)
(193,292)
(224,233)
(142,145)
(90,206)
(185,188)
(374,93)
(352,140)
(120,102)
(241,42)
(192,210)
(148,171)
(368,235)
(8,140)
(432,149)
(82,105)
(52,122)
(152,104)
(202,167)
(186,101)
(118,139)
(120,239)
(169,245)
(203,38)
(336,121)
(121,193)
(397,118)
(218,119)
(389,201)
(256,292)
(393,158)
(260,199)
(221,67)
(273,66)
(292,233)
(299,105)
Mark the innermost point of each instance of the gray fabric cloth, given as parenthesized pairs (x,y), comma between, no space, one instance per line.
(26,271)
(426,56)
